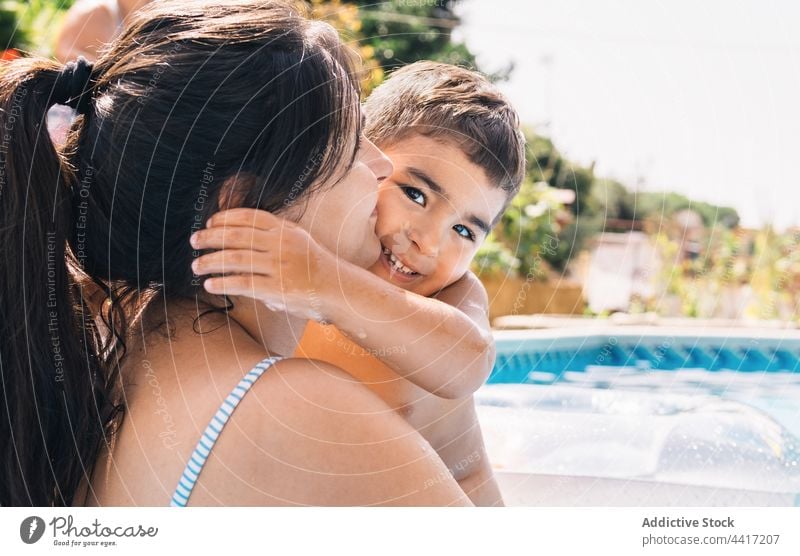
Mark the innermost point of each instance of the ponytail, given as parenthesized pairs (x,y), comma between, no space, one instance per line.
(54,404)
(252,88)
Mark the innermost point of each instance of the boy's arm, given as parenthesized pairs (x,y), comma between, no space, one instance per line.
(446,350)
(463,451)
(481,486)
(442,344)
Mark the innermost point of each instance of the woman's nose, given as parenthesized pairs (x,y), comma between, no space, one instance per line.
(378,162)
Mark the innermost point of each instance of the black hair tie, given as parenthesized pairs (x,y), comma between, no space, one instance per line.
(73,85)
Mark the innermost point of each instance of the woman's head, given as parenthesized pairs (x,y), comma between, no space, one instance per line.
(342,218)
(249,104)
(196,105)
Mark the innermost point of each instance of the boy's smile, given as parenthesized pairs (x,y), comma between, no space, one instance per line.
(434,212)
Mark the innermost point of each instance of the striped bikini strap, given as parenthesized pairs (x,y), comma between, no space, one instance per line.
(206,443)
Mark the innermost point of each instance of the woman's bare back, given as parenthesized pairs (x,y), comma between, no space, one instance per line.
(305,434)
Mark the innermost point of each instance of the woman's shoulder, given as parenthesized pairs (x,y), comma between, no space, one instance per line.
(302,390)
(308,433)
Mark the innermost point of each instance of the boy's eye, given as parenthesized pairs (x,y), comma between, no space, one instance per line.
(463,231)
(414,194)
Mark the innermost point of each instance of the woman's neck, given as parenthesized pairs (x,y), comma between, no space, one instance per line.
(248,326)
(278,332)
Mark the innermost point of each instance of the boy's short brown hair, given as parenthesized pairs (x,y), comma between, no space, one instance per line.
(448,102)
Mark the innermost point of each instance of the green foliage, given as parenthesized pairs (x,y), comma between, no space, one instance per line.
(537,227)
(403,32)
(10,35)
(546,164)
(394,33)
(28,25)
(613,201)
(727,264)
(530,229)
(665,204)
(494,259)
(564,232)
(775,269)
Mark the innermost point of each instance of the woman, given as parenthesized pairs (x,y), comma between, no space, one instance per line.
(114,362)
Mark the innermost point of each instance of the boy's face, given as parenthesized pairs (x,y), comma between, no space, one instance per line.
(434,211)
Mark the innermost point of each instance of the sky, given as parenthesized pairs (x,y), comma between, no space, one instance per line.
(700,97)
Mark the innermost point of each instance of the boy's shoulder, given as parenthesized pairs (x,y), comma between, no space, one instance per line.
(467,291)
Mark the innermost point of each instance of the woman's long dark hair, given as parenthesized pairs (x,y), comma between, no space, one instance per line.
(193,96)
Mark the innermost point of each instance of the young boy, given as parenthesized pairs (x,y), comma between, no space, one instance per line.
(458,160)
(415,327)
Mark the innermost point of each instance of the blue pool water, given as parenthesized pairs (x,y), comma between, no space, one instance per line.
(763,372)
(719,410)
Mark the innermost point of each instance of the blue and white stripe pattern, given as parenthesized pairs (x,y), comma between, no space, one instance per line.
(201,452)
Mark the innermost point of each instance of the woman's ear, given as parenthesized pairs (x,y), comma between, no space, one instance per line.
(233,192)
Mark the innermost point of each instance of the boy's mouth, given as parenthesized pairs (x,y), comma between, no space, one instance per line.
(396,266)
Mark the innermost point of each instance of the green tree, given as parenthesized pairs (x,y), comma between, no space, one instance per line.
(661,205)
(546,164)
(402,32)
(394,33)
(612,200)
(28,25)
(564,232)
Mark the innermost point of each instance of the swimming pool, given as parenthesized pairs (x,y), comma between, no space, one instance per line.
(645,416)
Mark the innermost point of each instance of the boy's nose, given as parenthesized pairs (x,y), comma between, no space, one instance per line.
(426,241)
(378,162)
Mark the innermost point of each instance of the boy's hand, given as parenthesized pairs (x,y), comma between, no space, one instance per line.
(265,257)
